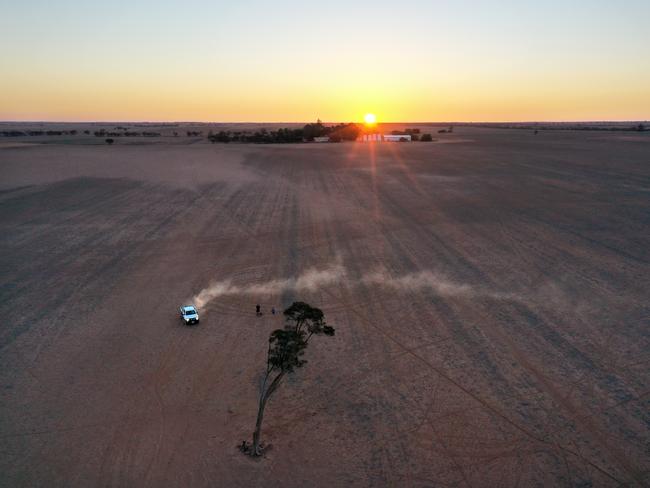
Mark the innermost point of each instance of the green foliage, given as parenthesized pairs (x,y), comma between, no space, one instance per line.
(286,348)
(300,315)
(299,312)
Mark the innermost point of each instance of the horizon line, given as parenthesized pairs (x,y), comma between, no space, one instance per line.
(577,121)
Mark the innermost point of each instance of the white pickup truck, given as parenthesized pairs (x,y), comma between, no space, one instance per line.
(189,315)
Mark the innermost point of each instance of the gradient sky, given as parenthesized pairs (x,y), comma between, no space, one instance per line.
(337,60)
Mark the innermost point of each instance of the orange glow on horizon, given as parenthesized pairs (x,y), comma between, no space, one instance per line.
(276,62)
(394,97)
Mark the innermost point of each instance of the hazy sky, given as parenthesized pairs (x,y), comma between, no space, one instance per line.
(337,60)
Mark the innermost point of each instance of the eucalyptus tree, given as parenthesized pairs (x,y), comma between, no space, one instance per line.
(285,354)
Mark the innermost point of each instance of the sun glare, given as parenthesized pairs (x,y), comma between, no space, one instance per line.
(370,119)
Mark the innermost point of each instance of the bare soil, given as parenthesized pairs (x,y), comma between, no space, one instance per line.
(508,346)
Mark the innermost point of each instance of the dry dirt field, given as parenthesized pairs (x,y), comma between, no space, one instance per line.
(490,293)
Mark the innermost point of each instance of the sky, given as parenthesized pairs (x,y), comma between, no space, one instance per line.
(296,61)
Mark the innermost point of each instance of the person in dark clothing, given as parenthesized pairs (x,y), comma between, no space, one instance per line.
(273,310)
(257,310)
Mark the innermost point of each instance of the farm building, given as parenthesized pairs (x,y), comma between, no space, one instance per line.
(385,138)
(397,137)
(370,138)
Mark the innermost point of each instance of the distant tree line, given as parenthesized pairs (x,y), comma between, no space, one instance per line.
(119,132)
(336,133)
(18,133)
(103,133)
(583,126)
(262,136)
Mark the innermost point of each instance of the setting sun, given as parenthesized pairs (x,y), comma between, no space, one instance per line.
(370,119)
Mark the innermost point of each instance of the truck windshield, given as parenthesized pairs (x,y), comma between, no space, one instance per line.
(190,312)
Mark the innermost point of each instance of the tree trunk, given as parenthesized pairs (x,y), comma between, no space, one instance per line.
(258,426)
(264,397)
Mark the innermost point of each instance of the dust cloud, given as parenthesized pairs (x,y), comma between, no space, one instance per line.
(313,279)
(433,281)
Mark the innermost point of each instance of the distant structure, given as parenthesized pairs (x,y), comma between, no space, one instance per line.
(322,139)
(397,137)
(370,138)
(385,138)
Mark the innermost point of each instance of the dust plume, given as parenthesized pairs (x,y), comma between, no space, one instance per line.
(431,280)
(313,279)
(415,281)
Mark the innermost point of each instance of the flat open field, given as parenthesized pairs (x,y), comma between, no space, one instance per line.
(490,293)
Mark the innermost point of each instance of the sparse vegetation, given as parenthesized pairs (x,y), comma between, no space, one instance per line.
(426,138)
(110,141)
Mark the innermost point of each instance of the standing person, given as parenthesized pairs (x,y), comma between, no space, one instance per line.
(257,310)
(273,310)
